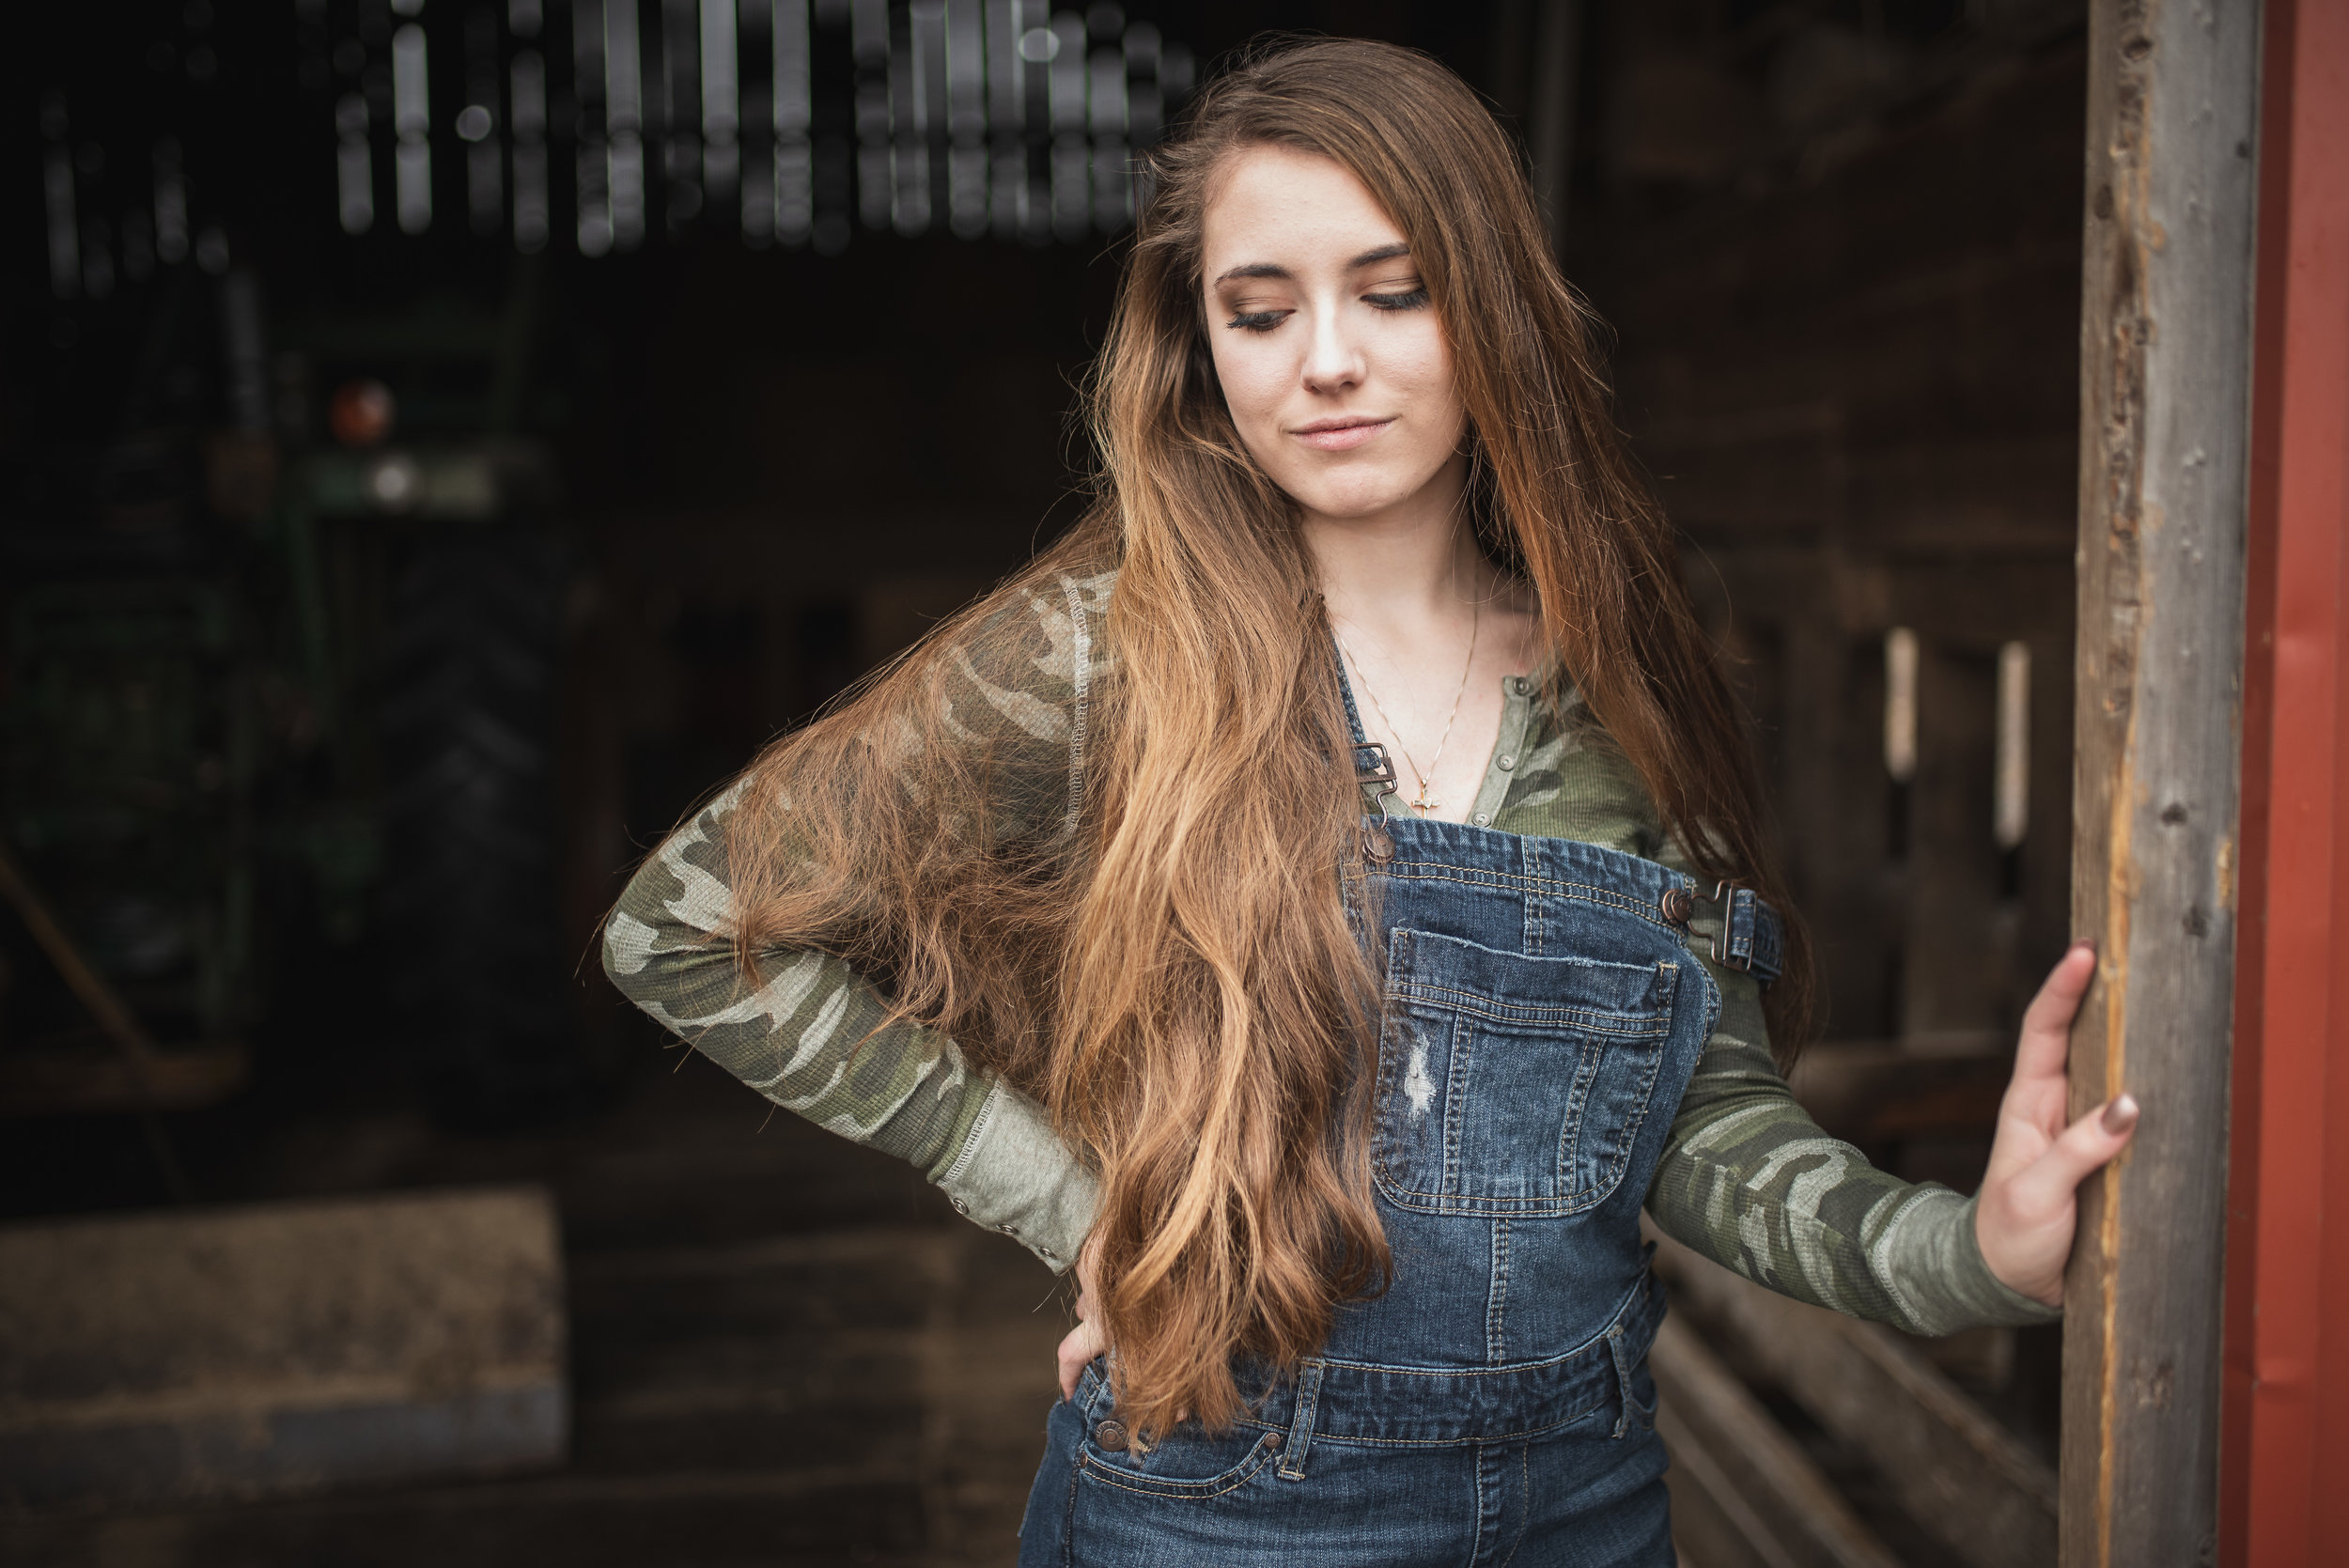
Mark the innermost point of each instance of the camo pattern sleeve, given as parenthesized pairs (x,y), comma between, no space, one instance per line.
(1747,1178)
(807,1032)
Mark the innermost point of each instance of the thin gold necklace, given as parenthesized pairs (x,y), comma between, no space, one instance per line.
(1423,805)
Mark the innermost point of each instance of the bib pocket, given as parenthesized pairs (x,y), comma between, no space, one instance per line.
(1511,1085)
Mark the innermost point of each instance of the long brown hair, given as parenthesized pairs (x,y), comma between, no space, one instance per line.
(1169,967)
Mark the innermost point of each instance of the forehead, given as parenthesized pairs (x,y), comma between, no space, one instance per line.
(1292,209)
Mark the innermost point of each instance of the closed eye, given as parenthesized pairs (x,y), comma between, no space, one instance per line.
(1409,299)
(1258,320)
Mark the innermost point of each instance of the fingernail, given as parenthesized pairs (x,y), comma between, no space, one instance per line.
(2083,944)
(2121,1115)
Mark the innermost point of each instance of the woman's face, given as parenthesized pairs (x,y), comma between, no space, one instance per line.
(1332,362)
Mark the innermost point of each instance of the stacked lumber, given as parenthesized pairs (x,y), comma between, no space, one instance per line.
(1746,1494)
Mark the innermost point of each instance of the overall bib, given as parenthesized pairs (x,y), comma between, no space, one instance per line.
(1542,1015)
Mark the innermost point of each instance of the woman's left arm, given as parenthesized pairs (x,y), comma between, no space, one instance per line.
(1748,1180)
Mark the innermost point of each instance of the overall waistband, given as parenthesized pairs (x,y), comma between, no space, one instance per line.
(1362,1402)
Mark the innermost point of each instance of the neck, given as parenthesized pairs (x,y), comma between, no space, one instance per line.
(1413,562)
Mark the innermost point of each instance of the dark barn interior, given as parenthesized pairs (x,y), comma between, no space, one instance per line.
(433,457)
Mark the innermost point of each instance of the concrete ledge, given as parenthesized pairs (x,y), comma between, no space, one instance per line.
(235,1352)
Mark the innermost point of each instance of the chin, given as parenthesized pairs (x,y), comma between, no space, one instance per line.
(1346,502)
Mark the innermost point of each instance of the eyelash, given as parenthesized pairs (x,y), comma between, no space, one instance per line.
(1264,320)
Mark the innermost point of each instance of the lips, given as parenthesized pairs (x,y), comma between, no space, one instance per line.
(1341,434)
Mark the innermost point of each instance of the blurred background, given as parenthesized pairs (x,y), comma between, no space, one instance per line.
(442,440)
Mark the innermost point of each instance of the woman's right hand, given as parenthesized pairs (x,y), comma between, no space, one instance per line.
(1084,1341)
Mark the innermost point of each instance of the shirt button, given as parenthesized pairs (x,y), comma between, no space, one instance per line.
(1508,761)
(960,1208)
(1483,818)
(1519,682)
(1110,1436)
(1008,1230)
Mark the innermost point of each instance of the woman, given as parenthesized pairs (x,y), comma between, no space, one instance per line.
(1326,891)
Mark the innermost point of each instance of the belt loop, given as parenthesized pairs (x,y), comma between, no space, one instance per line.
(1618,1345)
(1300,1435)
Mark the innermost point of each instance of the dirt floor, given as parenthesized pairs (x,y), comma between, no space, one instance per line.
(784,1350)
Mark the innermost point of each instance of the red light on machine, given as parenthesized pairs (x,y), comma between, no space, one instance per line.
(360,413)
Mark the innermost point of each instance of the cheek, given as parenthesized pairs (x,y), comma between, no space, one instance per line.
(1254,376)
(1420,366)
(1258,379)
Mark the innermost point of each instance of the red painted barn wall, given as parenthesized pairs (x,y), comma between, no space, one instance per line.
(2286,1412)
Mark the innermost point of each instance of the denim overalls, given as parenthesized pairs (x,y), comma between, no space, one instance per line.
(1543,1013)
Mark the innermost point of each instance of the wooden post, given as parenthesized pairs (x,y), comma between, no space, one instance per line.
(2164,351)
(1557,50)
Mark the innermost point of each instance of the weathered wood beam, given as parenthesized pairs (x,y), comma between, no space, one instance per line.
(1869,1092)
(2165,360)
(1557,52)
(1744,1492)
(1964,1478)
(74,1082)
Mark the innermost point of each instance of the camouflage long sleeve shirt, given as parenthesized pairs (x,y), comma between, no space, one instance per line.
(1747,1178)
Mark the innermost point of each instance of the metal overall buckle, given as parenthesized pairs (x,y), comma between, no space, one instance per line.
(1753,937)
(1372,768)
(1723,894)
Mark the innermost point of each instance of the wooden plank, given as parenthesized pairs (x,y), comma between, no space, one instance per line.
(1870,1092)
(1953,972)
(2165,339)
(1964,1478)
(1713,1525)
(229,1353)
(87,984)
(46,1081)
(821,1516)
(1746,1494)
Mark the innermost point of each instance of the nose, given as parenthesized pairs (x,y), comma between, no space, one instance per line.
(1333,361)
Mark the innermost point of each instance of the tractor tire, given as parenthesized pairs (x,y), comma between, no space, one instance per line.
(469,903)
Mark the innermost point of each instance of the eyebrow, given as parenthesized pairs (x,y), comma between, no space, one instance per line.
(1273,270)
